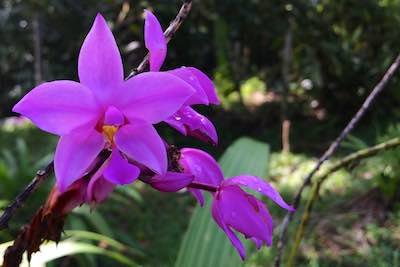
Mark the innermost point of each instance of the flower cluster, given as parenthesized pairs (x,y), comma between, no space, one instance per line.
(104,112)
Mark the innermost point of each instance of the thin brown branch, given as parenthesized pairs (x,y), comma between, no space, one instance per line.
(9,211)
(168,33)
(332,148)
(47,223)
(354,157)
(42,175)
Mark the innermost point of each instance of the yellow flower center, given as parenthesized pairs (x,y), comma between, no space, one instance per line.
(109,132)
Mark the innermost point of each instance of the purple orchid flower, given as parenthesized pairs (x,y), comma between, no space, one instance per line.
(103,111)
(203,167)
(232,207)
(187,121)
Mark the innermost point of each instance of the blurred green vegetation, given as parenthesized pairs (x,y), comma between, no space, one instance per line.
(311,61)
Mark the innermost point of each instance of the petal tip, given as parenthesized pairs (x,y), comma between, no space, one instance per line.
(17,108)
(99,18)
(149,15)
(147,12)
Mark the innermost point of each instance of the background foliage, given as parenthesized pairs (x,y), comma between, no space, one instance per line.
(309,61)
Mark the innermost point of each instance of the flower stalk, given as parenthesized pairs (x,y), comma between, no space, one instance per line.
(203,186)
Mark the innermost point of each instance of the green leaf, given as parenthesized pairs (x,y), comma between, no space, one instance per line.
(96,219)
(204,244)
(110,242)
(51,251)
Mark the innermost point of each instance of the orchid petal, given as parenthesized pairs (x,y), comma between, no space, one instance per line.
(141,142)
(152,96)
(261,186)
(267,219)
(257,242)
(199,97)
(198,195)
(100,64)
(171,181)
(218,218)
(189,122)
(207,85)
(241,211)
(59,107)
(204,167)
(99,188)
(175,122)
(154,41)
(119,171)
(74,154)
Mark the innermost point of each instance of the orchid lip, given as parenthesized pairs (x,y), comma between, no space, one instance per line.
(113,120)
(113,116)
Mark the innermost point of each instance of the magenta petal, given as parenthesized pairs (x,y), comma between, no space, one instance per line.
(207,85)
(59,107)
(204,168)
(99,188)
(267,219)
(74,154)
(218,218)
(257,242)
(189,122)
(259,185)
(100,65)
(198,195)
(119,170)
(199,97)
(202,129)
(141,142)
(171,181)
(154,41)
(113,117)
(176,123)
(241,211)
(152,96)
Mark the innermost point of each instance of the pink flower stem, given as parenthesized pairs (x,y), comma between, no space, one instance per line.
(203,186)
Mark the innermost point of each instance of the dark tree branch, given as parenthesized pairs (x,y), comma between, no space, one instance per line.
(42,175)
(168,33)
(332,148)
(9,211)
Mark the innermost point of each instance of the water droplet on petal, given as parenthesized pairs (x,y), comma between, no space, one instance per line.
(178,118)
